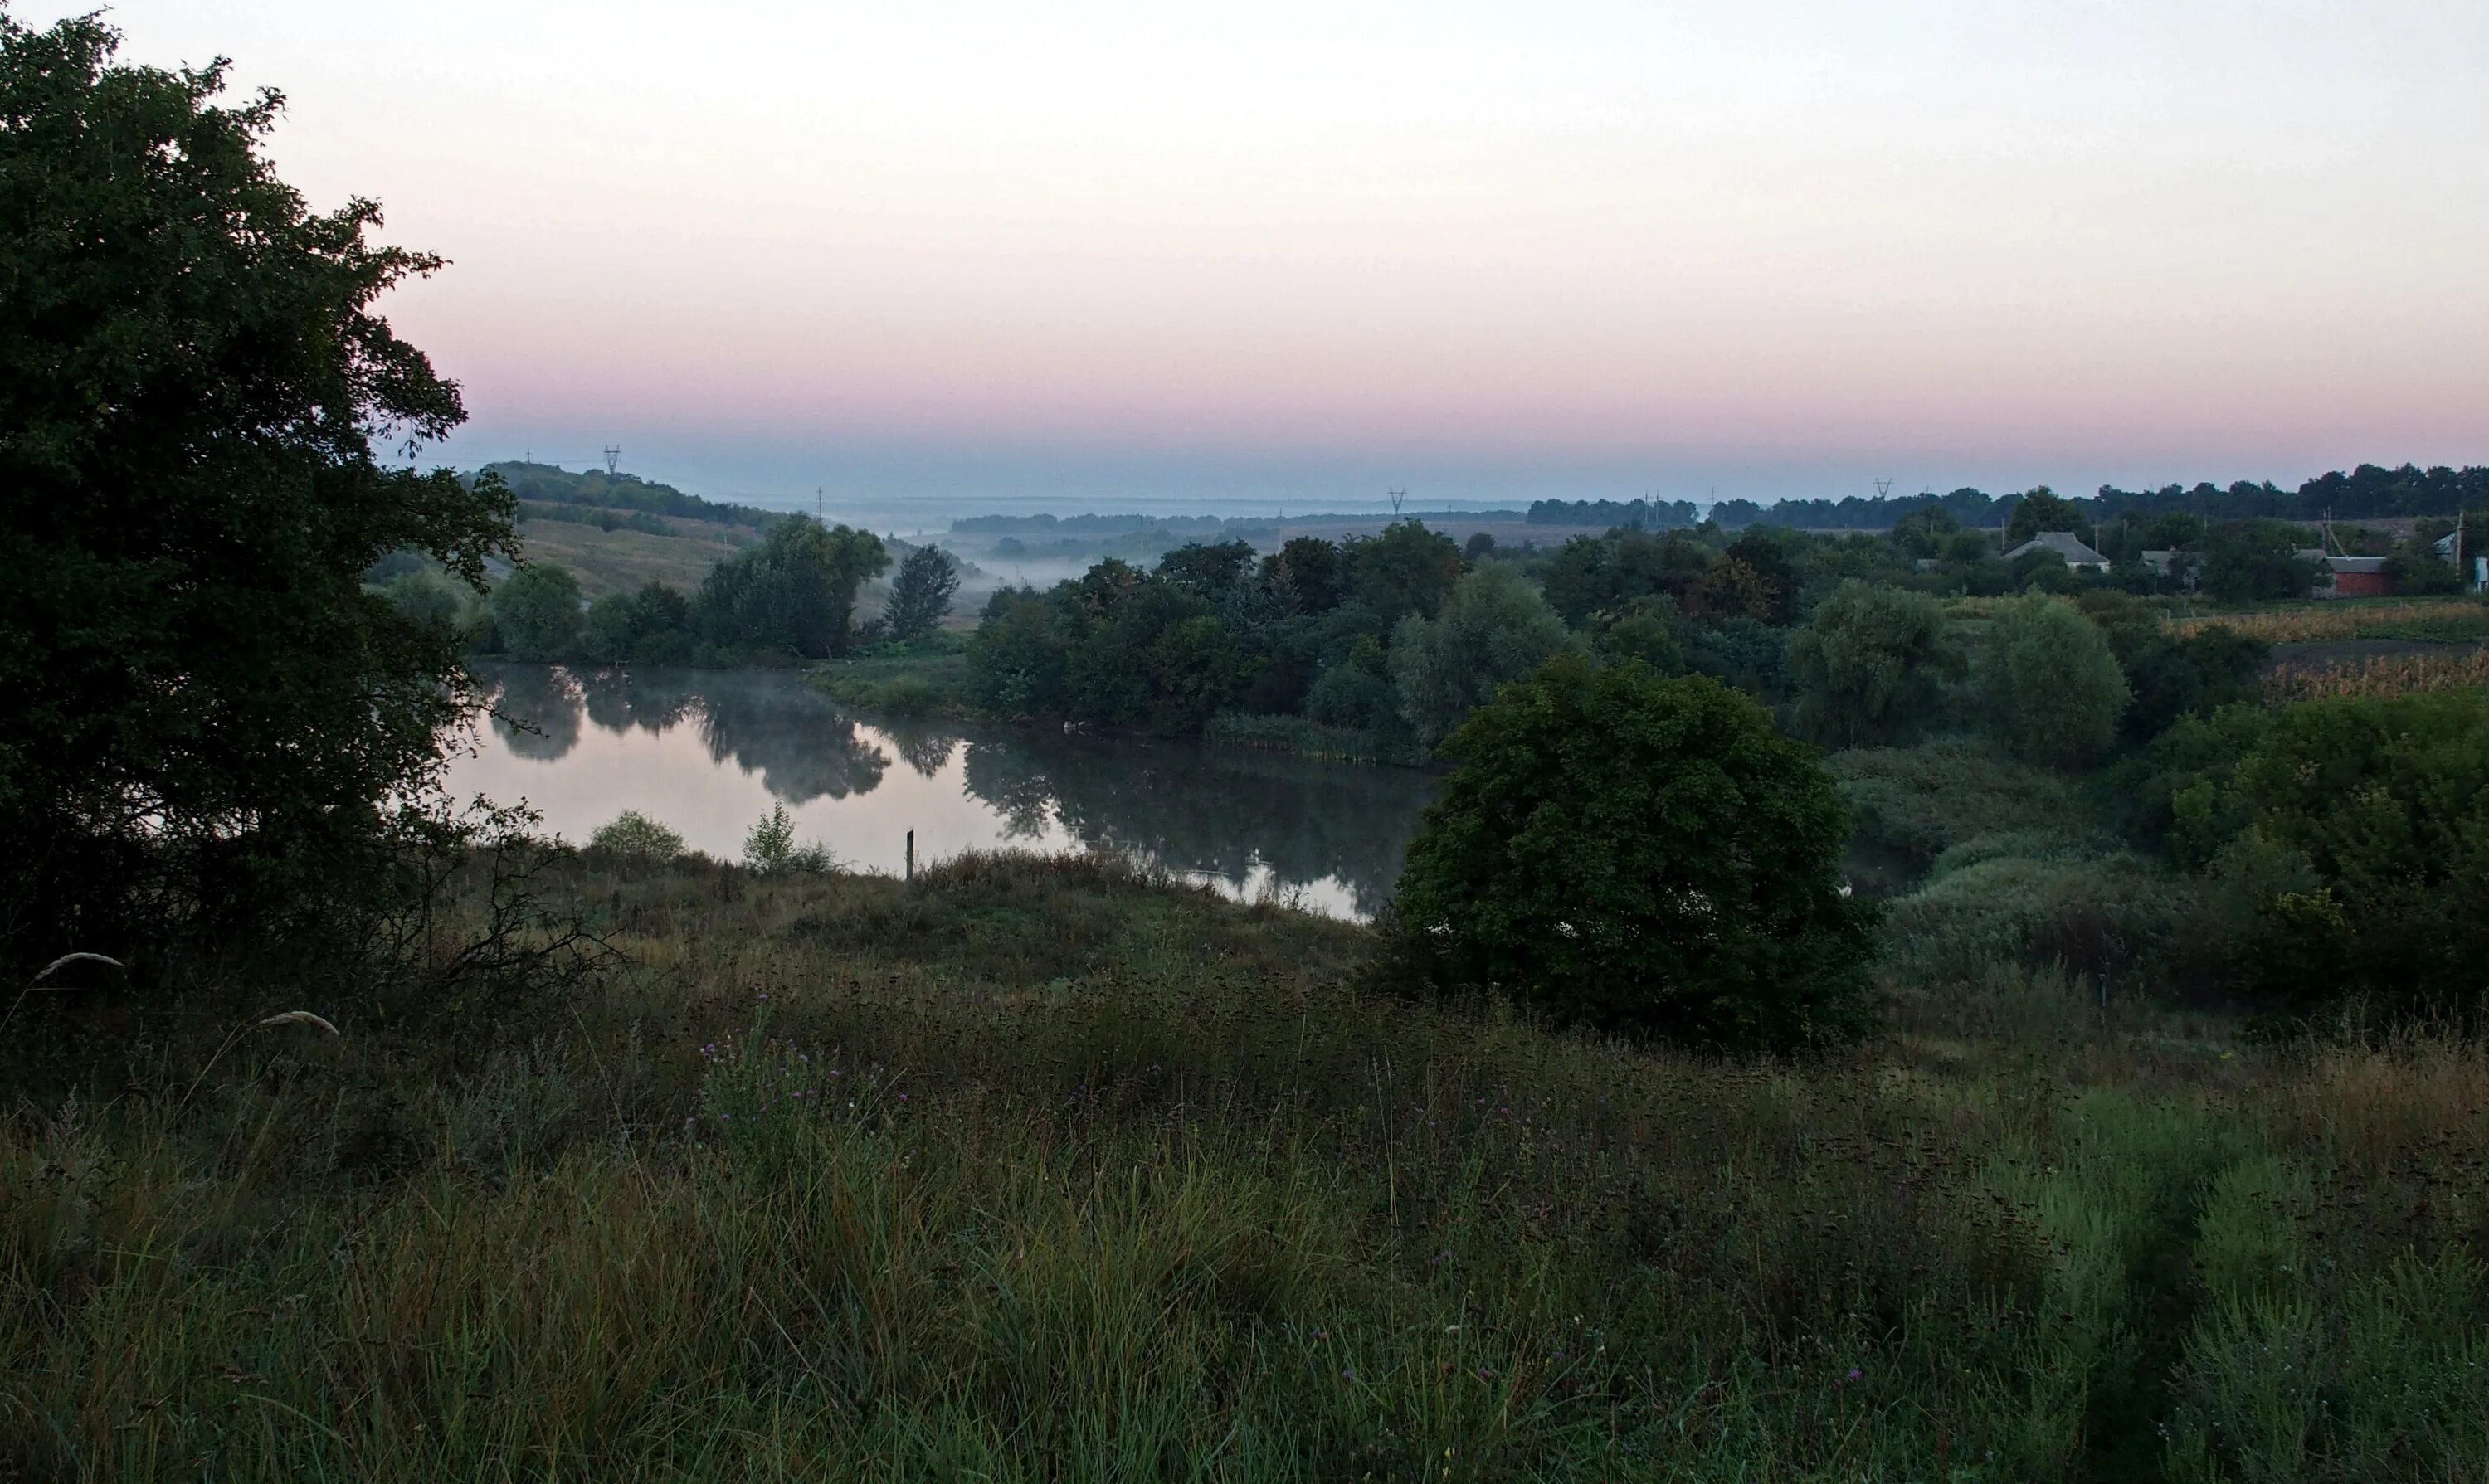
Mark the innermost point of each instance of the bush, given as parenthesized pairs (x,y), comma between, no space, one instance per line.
(1924,800)
(2384,803)
(771,849)
(2053,688)
(2040,900)
(1642,855)
(634,836)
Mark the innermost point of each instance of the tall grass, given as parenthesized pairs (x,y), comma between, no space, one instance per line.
(2380,676)
(2437,618)
(1041,1170)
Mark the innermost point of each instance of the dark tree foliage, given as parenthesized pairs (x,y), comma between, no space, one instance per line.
(1208,571)
(2044,509)
(650,626)
(206,717)
(536,613)
(796,589)
(2244,561)
(1313,573)
(2385,805)
(920,595)
(1869,665)
(1407,569)
(1642,855)
(2173,676)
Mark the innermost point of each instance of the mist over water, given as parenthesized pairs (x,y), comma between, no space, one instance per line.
(708,754)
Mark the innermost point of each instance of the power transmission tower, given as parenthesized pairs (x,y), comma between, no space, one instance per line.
(1883,488)
(1397,495)
(613,458)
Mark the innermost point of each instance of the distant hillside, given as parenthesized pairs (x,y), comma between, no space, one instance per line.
(548,484)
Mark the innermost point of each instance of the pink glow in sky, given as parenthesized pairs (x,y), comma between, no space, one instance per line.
(1591,248)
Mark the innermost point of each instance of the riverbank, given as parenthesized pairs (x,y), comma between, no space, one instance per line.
(1047,1170)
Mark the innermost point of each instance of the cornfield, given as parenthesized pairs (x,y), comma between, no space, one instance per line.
(2384,675)
(2442,618)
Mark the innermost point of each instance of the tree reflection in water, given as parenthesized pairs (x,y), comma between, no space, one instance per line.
(534,711)
(1217,812)
(1209,811)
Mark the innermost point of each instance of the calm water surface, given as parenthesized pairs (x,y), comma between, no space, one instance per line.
(708,753)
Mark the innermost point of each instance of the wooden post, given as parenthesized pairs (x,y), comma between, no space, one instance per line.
(911,855)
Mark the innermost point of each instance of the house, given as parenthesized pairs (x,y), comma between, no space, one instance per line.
(2066,544)
(2348,577)
(2186,567)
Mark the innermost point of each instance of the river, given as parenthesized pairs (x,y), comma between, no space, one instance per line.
(709,753)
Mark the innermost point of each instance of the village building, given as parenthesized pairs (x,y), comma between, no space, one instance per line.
(2066,544)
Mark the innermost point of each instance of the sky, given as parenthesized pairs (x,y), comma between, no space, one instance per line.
(1088,253)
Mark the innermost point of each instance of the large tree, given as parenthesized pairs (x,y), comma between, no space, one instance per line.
(206,437)
(1869,665)
(1641,855)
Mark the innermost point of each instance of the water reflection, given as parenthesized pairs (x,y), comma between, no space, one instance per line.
(684,746)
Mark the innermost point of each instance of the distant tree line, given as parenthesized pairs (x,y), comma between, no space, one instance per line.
(790,595)
(2367,493)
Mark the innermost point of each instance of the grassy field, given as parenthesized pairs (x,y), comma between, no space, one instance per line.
(1045,1171)
(907,679)
(623,560)
(2443,619)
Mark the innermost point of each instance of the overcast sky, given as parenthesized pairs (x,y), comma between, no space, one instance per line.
(1306,250)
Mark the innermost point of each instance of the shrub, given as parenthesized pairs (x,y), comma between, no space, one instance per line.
(1926,799)
(2053,686)
(1642,855)
(907,696)
(2386,803)
(636,837)
(771,848)
(2041,900)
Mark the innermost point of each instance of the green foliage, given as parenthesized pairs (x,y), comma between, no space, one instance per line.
(1642,855)
(1495,628)
(649,626)
(2174,674)
(2386,803)
(920,595)
(771,848)
(2247,560)
(1209,571)
(1869,665)
(795,590)
(536,613)
(1313,573)
(2051,684)
(1195,671)
(2044,509)
(2042,897)
(209,718)
(1653,631)
(634,836)
(432,600)
(1942,793)
(1407,569)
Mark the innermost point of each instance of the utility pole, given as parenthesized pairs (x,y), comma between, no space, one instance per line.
(613,458)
